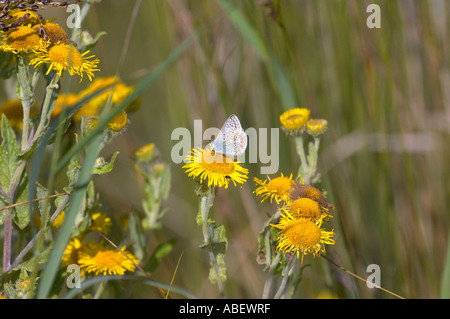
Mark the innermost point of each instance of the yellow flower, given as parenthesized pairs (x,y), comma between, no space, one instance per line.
(316,127)
(54,32)
(59,220)
(100,222)
(302,236)
(217,169)
(306,208)
(117,93)
(22,39)
(75,249)
(119,122)
(31,19)
(62,57)
(108,262)
(146,152)
(308,191)
(293,121)
(277,188)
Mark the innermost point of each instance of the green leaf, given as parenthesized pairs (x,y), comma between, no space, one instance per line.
(218,243)
(8,153)
(73,170)
(9,149)
(137,235)
(161,251)
(165,183)
(103,167)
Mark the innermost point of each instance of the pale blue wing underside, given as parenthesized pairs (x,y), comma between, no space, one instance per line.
(231,140)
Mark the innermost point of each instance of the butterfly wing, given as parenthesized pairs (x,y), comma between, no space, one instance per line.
(232,140)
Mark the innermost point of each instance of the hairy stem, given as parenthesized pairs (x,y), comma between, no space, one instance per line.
(206,202)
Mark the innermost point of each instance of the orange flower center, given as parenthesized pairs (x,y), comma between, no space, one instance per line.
(65,55)
(302,233)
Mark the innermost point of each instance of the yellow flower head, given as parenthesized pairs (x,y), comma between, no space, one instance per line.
(76,247)
(316,127)
(22,39)
(62,57)
(119,122)
(146,152)
(302,236)
(31,19)
(108,262)
(54,32)
(59,220)
(277,188)
(100,222)
(308,191)
(117,93)
(16,18)
(217,169)
(306,208)
(293,121)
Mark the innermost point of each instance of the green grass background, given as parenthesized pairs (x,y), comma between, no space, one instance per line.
(384,159)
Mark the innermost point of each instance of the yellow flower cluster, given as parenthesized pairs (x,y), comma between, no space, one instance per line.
(297,120)
(303,212)
(303,208)
(46,44)
(94,107)
(96,258)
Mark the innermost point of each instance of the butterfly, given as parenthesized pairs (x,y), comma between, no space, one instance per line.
(231,140)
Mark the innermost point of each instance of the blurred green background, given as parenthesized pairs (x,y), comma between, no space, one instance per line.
(384,159)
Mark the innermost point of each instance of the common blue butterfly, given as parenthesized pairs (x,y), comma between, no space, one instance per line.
(231,140)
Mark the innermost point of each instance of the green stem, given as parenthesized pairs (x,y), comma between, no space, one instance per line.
(25,94)
(49,98)
(206,202)
(269,280)
(287,271)
(100,289)
(301,152)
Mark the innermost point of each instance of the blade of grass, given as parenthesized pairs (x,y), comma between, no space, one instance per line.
(277,73)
